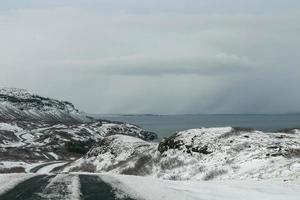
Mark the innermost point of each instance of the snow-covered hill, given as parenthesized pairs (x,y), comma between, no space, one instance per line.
(19,104)
(35,128)
(117,153)
(20,140)
(201,154)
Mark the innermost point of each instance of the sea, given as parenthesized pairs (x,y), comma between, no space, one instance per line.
(166,125)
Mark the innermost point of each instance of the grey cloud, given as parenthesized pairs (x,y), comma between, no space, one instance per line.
(151,66)
(171,63)
(159,6)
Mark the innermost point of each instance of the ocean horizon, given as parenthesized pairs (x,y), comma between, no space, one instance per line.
(166,125)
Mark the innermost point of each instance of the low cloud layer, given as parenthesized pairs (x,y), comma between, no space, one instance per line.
(154,63)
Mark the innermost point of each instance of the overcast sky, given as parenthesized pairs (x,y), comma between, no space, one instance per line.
(158,56)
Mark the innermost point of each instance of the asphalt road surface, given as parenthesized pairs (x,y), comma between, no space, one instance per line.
(61,187)
(92,187)
(29,189)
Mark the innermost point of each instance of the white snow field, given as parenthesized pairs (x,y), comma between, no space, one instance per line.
(155,189)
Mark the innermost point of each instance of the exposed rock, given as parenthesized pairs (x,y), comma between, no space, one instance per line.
(290,130)
(116,152)
(19,104)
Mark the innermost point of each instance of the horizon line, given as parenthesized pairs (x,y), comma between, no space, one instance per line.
(157,114)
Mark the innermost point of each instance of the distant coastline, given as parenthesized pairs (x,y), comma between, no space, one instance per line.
(166,125)
(189,114)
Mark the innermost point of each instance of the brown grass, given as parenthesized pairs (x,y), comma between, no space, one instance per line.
(12,170)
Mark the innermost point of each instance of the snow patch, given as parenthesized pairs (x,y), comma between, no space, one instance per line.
(155,189)
(9,181)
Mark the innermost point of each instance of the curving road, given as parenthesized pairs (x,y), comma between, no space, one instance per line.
(45,168)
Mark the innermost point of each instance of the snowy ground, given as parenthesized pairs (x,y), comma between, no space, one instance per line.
(155,189)
(70,186)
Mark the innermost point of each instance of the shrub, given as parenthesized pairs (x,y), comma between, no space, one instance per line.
(213,174)
(12,170)
(84,167)
(79,147)
(236,131)
(201,169)
(140,167)
(169,143)
(175,178)
(288,130)
(241,146)
(171,163)
(292,153)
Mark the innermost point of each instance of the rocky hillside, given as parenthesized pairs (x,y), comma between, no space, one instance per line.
(21,140)
(35,128)
(19,104)
(200,154)
(116,154)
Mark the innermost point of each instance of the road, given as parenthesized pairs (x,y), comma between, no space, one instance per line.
(47,167)
(61,187)
(112,187)
(92,188)
(29,189)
